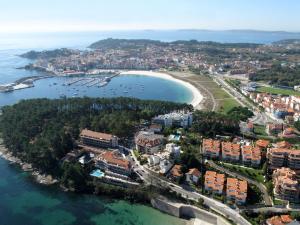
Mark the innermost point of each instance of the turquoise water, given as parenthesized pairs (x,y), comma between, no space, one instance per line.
(23,202)
(97,173)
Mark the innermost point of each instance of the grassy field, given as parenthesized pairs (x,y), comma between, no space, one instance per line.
(281,91)
(226,104)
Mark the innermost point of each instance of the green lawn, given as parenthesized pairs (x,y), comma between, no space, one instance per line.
(227,104)
(281,91)
(260,130)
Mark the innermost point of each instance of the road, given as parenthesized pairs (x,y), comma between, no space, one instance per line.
(260,118)
(149,178)
(267,199)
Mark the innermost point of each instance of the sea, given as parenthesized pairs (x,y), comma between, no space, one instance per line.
(22,201)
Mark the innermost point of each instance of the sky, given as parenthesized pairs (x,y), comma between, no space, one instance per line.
(94,15)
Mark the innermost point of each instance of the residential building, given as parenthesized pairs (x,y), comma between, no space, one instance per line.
(173,149)
(176,119)
(148,142)
(97,139)
(193,175)
(211,148)
(263,144)
(236,191)
(286,186)
(114,162)
(279,220)
(214,182)
(282,157)
(231,152)
(156,128)
(175,173)
(164,166)
(251,156)
(283,144)
(274,128)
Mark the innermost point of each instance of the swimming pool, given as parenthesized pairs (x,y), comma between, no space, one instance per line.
(97,173)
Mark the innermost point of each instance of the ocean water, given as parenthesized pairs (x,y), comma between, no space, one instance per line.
(25,202)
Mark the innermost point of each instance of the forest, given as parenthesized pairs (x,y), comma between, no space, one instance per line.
(42,131)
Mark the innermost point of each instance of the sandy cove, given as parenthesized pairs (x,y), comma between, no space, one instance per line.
(197,96)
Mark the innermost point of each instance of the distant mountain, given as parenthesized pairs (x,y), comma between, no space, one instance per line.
(287,42)
(111,43)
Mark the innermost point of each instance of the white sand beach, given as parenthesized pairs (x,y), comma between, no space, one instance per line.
(197,97)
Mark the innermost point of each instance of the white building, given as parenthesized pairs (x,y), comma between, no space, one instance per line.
(173,149)
(177,119)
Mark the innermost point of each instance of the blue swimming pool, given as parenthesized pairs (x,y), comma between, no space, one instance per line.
(97,173)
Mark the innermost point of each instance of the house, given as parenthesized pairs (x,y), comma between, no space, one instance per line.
(236,191)
(97,139)
(175,173)
(231,152)
(173,149)
(176,119)
(211,148)
(251,156)
(148,142)
(279,220)
(193,175)
(156,128)
(274,128)
(288,133)
(263,144)
(286,186)
(214,182)
(114,162)
(283,144)
(164,166)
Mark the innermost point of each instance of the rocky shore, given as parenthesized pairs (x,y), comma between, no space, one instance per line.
(40,178)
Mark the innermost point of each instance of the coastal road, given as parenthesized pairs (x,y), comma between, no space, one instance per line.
(150,178)
(267,199)
(192,195)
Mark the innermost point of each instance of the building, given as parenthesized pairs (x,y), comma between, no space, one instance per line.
(263,144)
(279,220)
(173,149)
(231,152)
(286,186)
(148,142)
(251,156)
(283,157)
(211,148)
(175,173)
(283,144)
(156,128)
(214,182)
(96,139)
(176,119)
(114,162)
(236,191)
(164,166)
(274,128)
(193,175)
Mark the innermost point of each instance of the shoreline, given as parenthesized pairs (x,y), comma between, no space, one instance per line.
(197,96)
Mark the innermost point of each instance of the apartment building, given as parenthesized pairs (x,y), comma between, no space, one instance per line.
(236,191)
(114,162)
(211,148)
(97,139)
(176,119)
(283,157)
(251,156)
(231,152)
(148,142)
(214,182)
(286,186)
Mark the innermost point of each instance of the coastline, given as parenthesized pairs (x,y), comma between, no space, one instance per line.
(197,96)
(44,179)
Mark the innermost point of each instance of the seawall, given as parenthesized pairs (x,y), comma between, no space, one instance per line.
(188,211)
